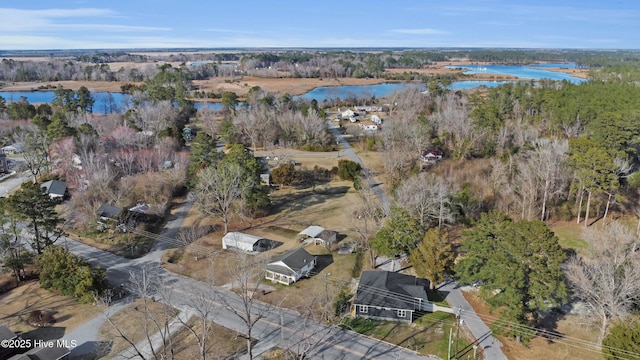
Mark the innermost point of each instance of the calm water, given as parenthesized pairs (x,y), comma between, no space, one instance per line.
(103,104)
(353,91)
(534,72)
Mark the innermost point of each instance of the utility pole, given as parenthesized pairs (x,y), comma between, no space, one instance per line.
(459,322)
(449,351)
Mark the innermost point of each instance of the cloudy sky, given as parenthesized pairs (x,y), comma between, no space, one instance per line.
(97,24)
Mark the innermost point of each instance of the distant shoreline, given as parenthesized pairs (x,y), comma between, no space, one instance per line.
(293,86)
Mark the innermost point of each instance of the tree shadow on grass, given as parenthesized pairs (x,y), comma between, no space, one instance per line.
(547,326)
(322,262)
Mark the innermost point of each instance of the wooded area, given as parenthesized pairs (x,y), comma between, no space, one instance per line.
(515,158)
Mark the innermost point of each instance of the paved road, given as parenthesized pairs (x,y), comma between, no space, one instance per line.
(11,182)
(491,347)
(348,151)
(478,328)
(278,327)
(326,341)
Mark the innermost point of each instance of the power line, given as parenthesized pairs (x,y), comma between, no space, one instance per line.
(541,333)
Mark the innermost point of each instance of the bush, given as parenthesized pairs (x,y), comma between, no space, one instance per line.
(348,170)
(39,318)
(62,271)
(622,338)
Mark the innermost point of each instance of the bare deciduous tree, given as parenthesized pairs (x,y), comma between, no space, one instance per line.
(427,197)
(36,150)
(246,275)
(367,218)
(608,276)
(218,188)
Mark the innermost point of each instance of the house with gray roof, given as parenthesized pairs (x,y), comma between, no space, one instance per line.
(290,266)
(56,189)
(389,295)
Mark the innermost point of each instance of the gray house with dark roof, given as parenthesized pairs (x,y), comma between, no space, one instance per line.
(290,266)
(56,189)
(44,353)
(107,212)
(389,295)
(6,334)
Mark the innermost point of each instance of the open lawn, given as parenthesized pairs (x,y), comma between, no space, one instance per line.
(569,233)
(428,335)
(221,342)
(293,209)
(18,303)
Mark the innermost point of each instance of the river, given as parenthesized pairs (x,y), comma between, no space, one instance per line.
(114,102)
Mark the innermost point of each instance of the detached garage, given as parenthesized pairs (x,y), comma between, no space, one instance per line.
(242,241)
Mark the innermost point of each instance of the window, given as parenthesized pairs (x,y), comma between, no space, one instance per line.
(402,313)
(363,309)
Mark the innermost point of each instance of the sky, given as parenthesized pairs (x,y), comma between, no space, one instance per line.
(134,24)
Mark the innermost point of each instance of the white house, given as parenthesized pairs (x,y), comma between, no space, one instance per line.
(347,114)
(431,156)
(242,241)
(369,126)
(290,266)
(376,119)
(13,148)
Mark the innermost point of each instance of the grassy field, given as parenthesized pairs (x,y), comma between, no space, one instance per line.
(131,322)
(18,303)
(221,342)
(569,233)
(428,335)
(575,336)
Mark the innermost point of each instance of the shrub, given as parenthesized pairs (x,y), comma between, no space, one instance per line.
(68,274)
(348,170)
(39,318)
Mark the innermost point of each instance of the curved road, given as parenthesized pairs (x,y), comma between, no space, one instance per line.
(487,343)
(278,327)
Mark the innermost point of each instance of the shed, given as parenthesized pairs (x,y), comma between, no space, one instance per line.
(242,241)
(290,266)
(326,238)
(312,231)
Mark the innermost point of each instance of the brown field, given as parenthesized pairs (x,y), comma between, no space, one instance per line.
(241,84)
(577,337)
(293,86)
(130,321)
(18,303)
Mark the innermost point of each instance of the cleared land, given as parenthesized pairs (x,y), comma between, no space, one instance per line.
(18,303)
(575,339)
(241,84)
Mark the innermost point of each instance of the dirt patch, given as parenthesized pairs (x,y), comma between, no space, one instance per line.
(570,337)
(18,304)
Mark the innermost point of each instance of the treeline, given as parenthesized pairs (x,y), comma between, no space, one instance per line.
(286,63)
